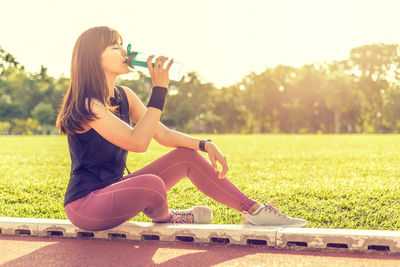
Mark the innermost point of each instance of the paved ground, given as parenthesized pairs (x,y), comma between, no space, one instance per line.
(58,251)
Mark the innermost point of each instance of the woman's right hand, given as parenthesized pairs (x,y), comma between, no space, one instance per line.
(159,74)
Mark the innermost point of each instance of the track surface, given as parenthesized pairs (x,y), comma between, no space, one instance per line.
(59,251)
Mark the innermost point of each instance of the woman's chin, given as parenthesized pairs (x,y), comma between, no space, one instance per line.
(123,71)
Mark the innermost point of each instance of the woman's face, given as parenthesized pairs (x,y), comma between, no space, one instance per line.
(113,59)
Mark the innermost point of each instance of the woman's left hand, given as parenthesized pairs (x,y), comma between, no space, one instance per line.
(216,155)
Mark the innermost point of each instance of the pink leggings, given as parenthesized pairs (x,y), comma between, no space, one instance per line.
(145,190)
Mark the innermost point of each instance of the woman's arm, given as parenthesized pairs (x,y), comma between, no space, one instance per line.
(163,135)
(170,138)
(121,134)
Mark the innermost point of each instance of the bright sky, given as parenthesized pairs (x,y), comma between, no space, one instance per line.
(223,40)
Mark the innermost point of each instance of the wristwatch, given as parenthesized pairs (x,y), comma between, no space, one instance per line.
(202,143)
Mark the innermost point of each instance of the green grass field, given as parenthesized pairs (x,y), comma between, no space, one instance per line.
(347,181)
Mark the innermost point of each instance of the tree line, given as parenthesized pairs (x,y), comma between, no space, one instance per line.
(360,94)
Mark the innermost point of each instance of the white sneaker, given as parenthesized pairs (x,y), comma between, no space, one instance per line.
(267,215)
(197,214)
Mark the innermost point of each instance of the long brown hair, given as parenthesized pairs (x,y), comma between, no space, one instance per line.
(87,79)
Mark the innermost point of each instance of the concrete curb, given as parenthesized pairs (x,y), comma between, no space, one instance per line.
(262,236)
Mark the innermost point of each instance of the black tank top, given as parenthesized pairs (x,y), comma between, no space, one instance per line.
(95,162)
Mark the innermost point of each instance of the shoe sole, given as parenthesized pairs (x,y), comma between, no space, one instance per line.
(276,225)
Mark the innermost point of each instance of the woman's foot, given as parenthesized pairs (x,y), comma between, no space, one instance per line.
(267,215)
(197,214)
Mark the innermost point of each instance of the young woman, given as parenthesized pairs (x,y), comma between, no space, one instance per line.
(95,115)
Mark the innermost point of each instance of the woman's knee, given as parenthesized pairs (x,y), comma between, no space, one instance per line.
(185,153)
(154,182)
(147,182)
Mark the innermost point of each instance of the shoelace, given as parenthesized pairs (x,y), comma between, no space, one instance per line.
(181,217)
(271,207)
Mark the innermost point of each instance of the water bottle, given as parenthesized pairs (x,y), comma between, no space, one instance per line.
(137,61)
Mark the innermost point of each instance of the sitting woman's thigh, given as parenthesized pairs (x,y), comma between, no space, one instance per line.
(110,206)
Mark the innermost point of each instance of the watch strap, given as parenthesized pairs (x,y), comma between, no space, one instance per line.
(202,144)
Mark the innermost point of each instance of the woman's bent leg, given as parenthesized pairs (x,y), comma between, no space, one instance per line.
(111,206)
(184,162)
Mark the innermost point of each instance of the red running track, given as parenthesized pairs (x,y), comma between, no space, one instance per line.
(59,251)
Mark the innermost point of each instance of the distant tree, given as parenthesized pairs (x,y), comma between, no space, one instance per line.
(5,127)
(338,91)
(261,97)
(391,110)
(360,94)
(187,99)
(284,78)
(28,126)
(7,60)
(44,114)
(309,109)
(375,66)
(229,110)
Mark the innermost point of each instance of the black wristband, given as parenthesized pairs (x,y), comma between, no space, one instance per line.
(157,98)
(202,143)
